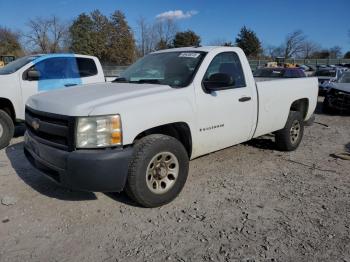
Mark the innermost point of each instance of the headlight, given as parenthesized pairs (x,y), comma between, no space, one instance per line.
(98,131)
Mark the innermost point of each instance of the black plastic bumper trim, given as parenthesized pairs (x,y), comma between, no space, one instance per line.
(86,170)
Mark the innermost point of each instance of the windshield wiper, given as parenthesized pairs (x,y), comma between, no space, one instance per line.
(140,81)
(146,81)
(120,80)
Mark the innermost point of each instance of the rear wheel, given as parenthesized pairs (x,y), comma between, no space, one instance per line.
(158,170)
(7,129)
(289,138)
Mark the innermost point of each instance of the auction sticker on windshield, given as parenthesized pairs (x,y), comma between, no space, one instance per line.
(190,55)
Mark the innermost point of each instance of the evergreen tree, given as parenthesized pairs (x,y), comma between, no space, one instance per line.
(81,32)
(110,39)
(187,38)
(249,42)
(122,48)
(101,35)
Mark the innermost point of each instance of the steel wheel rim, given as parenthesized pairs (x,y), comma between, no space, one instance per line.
(162,172)
(295,131)
(1,130)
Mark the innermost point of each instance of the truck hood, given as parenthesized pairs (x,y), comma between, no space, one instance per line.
(4,79)
(81,100)
(341,86)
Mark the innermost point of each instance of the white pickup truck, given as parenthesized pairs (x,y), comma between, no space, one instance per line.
(139,133)
(33,74)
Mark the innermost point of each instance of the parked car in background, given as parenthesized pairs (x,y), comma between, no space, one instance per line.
(327,75)
(6,59)
(338,96)
(308,69)
(269,73)
(33,74)
(139,132)
(346,65)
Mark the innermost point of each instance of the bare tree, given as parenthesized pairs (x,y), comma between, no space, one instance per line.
(143,28)
(147,39)
(165,30)
(156,35)
(294,44)
(274,51)
(309,48)
(335,52)
(46,35)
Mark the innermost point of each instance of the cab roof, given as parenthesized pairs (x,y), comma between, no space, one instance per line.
(196,49)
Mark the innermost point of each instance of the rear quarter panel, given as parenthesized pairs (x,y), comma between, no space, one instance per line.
(276,98)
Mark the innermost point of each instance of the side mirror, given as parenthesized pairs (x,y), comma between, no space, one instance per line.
(33,75)
(218,81)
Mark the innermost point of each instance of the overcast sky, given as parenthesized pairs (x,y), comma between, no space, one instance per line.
(326,22)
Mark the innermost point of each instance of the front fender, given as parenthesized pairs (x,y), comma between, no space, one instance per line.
(142,113)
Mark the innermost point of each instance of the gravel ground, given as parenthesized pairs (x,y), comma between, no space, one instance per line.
(245,203)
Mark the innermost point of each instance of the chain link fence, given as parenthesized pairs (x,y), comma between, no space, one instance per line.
(113,70)
(311,62)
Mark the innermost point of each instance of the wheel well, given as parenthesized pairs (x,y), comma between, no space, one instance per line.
(301,105)
(179,130)
(7,106)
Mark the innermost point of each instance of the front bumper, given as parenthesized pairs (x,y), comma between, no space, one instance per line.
(339,101)
(86,170)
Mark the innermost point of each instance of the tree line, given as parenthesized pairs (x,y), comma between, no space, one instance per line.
(112,40)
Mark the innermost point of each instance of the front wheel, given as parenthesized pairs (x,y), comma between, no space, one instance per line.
(289,138)
(158,170)
(6,129)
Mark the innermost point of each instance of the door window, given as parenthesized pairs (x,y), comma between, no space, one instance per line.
(66,68)
(58,68)
(86,67)
(227,63)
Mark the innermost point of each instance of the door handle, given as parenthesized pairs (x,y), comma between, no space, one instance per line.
(68,85)
(244,99)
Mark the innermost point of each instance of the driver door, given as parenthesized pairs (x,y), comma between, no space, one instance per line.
(225,117)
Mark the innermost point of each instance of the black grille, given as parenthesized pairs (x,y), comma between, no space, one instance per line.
(51,129)
(342,99)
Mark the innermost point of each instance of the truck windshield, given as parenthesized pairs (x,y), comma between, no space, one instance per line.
(328,73)
(175,69)
(17,64)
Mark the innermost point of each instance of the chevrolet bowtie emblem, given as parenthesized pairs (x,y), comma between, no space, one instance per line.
(35,124)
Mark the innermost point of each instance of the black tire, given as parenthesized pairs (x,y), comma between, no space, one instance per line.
(285,139)
(326,108)
(7,129)
(145,151)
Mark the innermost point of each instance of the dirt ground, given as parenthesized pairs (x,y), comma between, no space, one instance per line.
(245,203)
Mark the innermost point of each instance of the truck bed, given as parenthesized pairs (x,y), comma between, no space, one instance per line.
(276,98)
